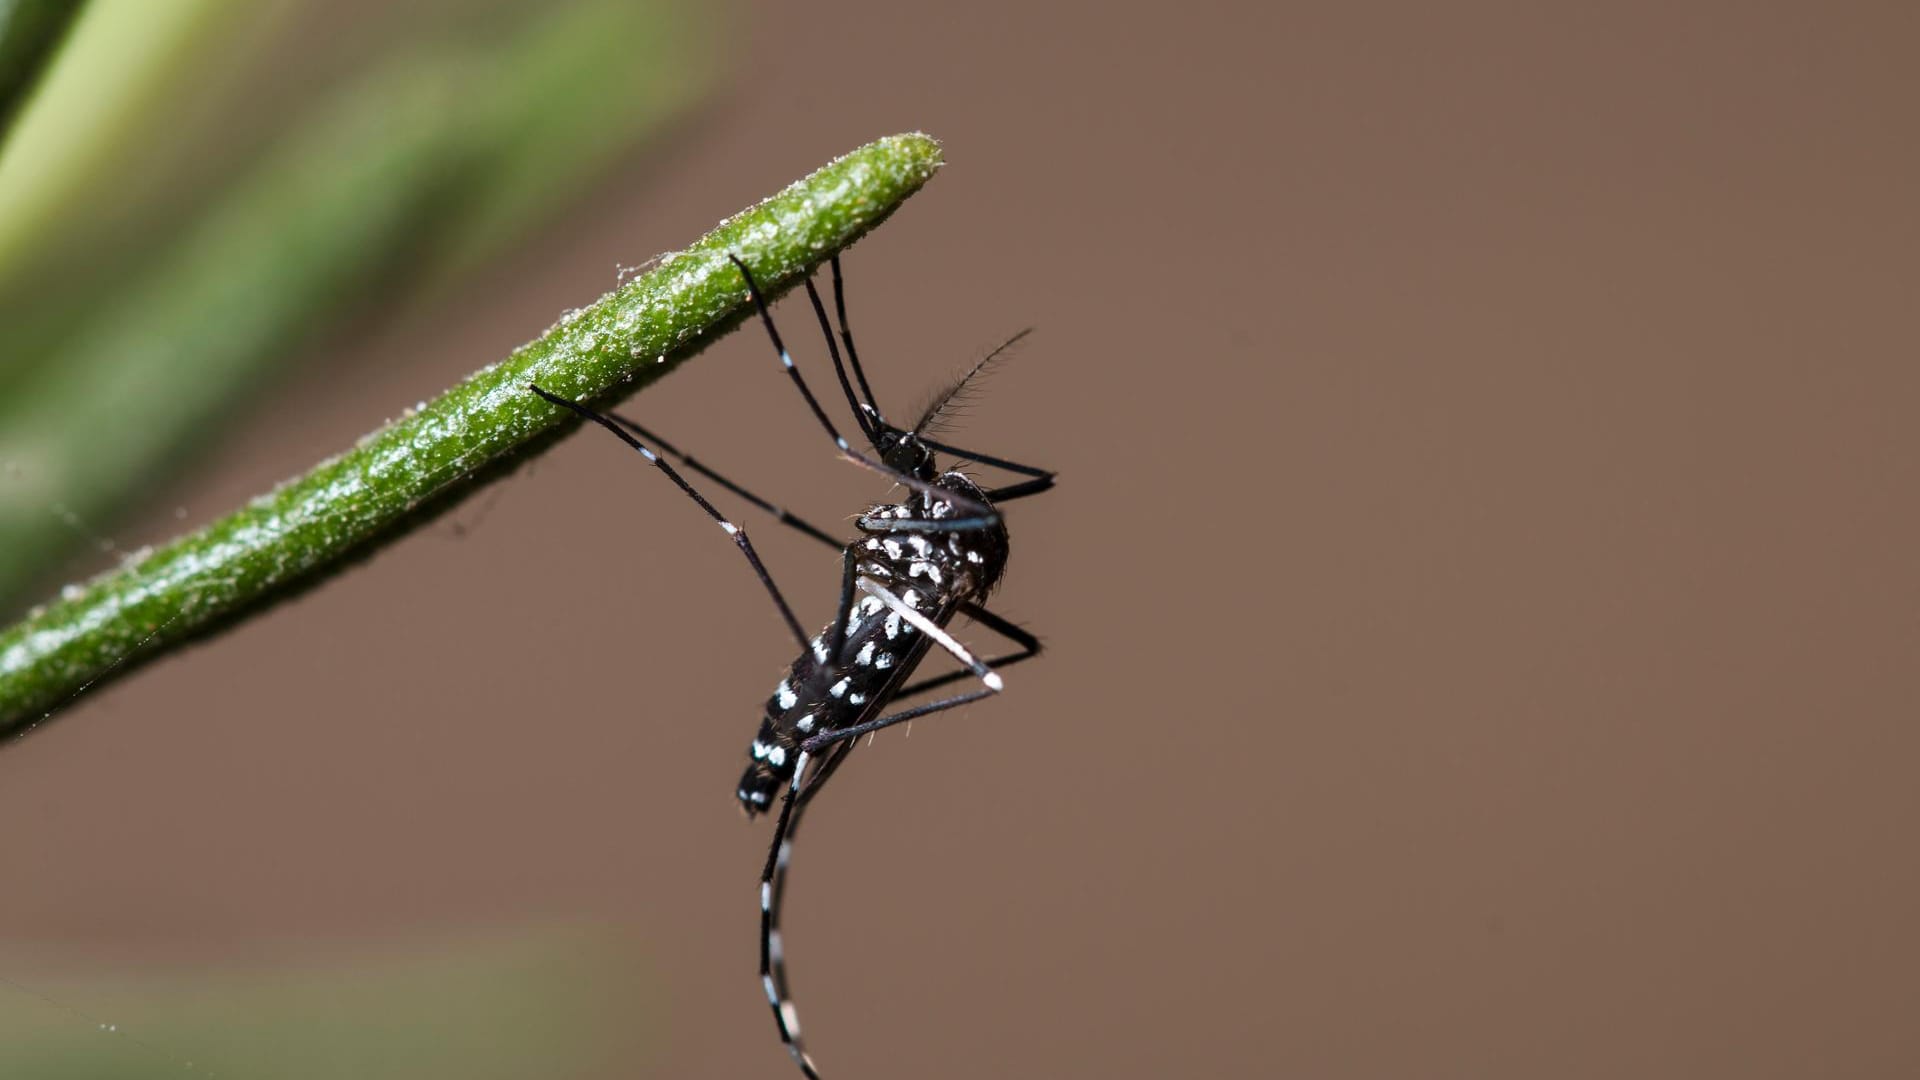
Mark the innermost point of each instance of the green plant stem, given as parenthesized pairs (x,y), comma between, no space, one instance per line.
(400,475)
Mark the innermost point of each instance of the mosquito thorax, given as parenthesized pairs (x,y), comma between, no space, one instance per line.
(972,558)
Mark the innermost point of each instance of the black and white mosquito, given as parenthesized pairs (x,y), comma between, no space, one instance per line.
(916,566)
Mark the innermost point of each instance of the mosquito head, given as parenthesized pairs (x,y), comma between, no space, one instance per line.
(904,452)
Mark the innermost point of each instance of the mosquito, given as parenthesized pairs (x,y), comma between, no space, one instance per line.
(916,566)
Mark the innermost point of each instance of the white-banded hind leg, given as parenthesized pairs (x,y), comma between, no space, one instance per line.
(989,678)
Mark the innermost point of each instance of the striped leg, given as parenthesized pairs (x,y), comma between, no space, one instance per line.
(977,514)
(989,678)
(773,882)
(1029,648)
(738,535)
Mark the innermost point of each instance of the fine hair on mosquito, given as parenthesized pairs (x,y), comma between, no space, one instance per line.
(915,567)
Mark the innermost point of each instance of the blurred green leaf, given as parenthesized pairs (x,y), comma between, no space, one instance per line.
(437,157)
(549,1004)
(30,30)
(119,59)
(592,81)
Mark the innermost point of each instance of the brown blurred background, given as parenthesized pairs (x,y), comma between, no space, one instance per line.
(1480,594)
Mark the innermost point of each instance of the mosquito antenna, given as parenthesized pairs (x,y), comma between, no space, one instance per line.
(952,395)
(978,511)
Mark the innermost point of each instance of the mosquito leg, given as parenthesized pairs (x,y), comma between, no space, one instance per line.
(987,459)
(860,415)
(832,662)
(989,678)
(810,788)
(869,523)
(1029,648)
(773,886)
(846,336)
(780,513)
(933,631)
(773,964)
(1020,490)
(738,534)
(829,738)
(974,508)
